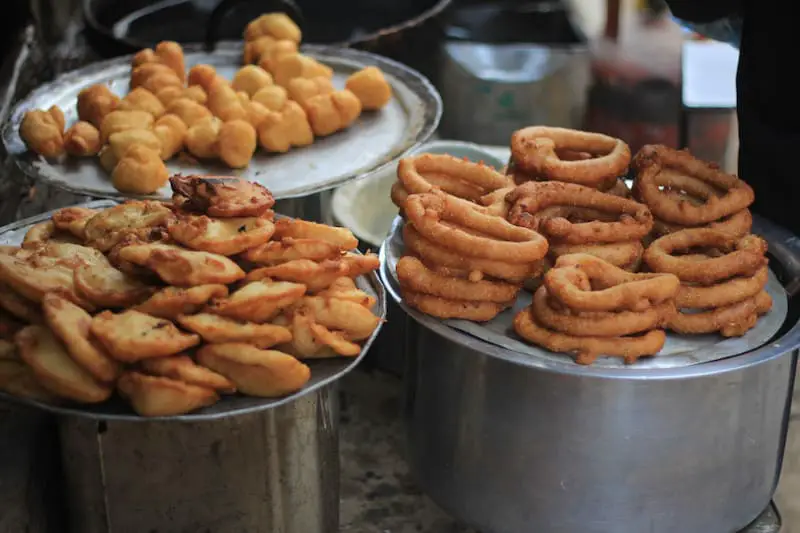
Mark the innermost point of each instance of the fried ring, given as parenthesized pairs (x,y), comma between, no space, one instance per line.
(435,216)
(722,294)
(600,324)
(416,277)
(747,257)
(444,308)
(588,349)
(613,288)
(738,224)
(619,254)
(730,321)
(536,150)
(533,197)
(653,159)
(459,177)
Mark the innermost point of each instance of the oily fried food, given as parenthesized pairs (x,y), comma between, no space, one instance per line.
(171,302)
(183,368)
(276,25)
(272,97)
(301,90)
(95,102)
(131,336)
(314,276)
(475,311)
(17,379)
(224,103)
(285,127)
(344,288)
(237,142)
(250,79)
(117,121)
(171,132)
(332,112)
(355,321)
(35,276)
(82,139)
(721,294)
(159,396)
(303,229)
(284,67)
(722,194)
(38,234)
(72,220)
(43,132)
(224,236)
(732,320)
(216,329)
(531,201)
(122,141)
(202,138)
(105,286)
(535,150)
(168,53)
(290,248)
(137,218)
(189,111)
(19,307)
(416,277)
(256,372)
(739,224)
(140,99)
(55,370)
(180,267)
(370,87)
(71,325)
(258,301)
(221,196)
(626,255)
(140,171)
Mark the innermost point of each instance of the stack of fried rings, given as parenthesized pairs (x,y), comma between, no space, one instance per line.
(462,262)
(722,287)
(577,219)
(540,153)
(589,307)
(684,192)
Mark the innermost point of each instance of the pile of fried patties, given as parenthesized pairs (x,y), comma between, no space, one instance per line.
(281,99)
(610,268)
(173,304)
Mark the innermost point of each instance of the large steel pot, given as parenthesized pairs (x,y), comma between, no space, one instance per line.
(513,448)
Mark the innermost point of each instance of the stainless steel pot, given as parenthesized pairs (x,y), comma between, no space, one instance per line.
(512,448)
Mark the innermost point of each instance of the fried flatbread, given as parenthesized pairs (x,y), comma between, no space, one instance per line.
(131,336)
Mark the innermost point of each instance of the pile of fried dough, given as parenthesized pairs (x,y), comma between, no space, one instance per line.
(608,277)
(174,304)
(279,100)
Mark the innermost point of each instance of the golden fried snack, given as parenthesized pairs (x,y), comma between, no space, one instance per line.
(82,139)
(183,368)
(315,276)
(256,113)
(189,111)
(196,93)
(258,301)
(329,113)
(224,103)
(140,99)
(289,66)
(221,196)
(95,102)
(118,121)
(273,97)
(334,340)
(204,76)
(105,286)
(17,379)
(36,276)
(167,95)
(303,344)
(73,219)
(250,79)
(302,89)
(171,302)
(270,55)
(343,238)
(158,396)
(354,320)
(237,143)
(20,307)
(345,288)
(70,324)
(266,48)
(42,133)
(140,171)
(216,329)
(370,87)
(55,370)
(288,128)
(181,267)
(121,141)
(154,77)
(289,248)
(171,131)
(202,138)
(107,159)
(275,25)
(39,233)
(139,218)
(224,236)
(263,373)
(131,336)
(168,53)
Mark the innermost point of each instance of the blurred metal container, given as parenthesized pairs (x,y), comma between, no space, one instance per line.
(510,65)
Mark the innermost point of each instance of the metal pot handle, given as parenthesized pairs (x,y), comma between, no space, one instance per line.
(784,246)
(289,7)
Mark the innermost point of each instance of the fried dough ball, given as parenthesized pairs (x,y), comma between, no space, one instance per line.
(118,121)
(121,141)
(140,99)
(189,111)
(256,113)
(250,79)
(140,171)
(266,47)
(274,52)
(171,131)
(290,66)
(107,159)
(203,75)
(154,77)
(82,139)
(95,102)
(42,132)
(201,139)
(329,113)
(282,130)
(303,89)
(273,97)
(168,53)
(196,93)
(275,25)
(224,103)
(167,95)
(370,87)
(236,143)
